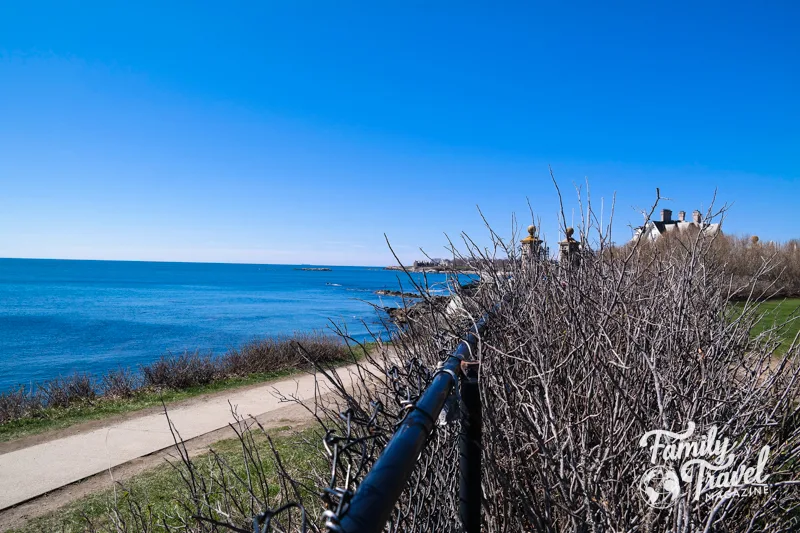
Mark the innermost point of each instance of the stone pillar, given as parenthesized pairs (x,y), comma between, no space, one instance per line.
(569,247)
(531,246)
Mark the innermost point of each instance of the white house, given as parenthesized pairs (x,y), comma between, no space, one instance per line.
(654,229)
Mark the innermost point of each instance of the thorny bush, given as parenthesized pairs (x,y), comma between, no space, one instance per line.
(586,355)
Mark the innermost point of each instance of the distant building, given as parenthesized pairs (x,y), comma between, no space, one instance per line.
(434,263)
(654,229)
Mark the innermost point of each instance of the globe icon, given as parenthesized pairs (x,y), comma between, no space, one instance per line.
(660,487)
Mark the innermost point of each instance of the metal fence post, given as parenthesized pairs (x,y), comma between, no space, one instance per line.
(469,450)
(373,502)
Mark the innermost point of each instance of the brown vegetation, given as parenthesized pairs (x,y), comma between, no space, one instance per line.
(745,257)
(583,358)
(755,270)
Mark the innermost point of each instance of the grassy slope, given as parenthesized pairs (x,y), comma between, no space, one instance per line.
(777,312)
(160,486)
(59,418)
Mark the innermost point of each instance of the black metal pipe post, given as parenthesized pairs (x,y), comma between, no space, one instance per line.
(469,451)
(378,492)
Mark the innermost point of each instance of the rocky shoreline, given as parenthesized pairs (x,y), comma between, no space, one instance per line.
(403,315)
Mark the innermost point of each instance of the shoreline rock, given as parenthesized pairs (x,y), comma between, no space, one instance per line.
(385,292)
(403,315)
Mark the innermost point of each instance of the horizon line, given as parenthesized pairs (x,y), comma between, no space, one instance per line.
(184,262)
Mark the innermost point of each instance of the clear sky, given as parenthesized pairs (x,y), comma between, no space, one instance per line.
(301,132)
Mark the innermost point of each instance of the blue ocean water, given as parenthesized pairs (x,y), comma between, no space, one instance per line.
(58,317)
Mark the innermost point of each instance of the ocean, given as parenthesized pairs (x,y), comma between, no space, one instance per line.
(62,316)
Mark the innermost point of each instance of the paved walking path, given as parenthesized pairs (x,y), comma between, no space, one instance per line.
(33,471)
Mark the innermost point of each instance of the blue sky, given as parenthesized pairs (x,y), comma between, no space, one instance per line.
(301,132)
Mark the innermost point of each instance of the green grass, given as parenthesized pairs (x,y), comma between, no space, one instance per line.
(159,489)
(54,418)
(775,312)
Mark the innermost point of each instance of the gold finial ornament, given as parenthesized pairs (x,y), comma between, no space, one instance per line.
(531,238)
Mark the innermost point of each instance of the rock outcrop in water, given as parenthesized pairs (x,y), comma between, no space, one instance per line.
(384,292)
(402,315)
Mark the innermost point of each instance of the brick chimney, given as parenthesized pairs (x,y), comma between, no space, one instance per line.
(682,216)
(666,215)
(697,218)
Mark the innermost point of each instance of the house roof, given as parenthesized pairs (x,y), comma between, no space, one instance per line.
(656,228)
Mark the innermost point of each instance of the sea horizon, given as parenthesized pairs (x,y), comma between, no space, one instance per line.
(187,262)
(61,316)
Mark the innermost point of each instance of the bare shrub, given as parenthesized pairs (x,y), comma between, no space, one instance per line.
(180,372)
(18,403)
(120,383)
(321,349)
(55,393)
(283,353)
(66,391)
